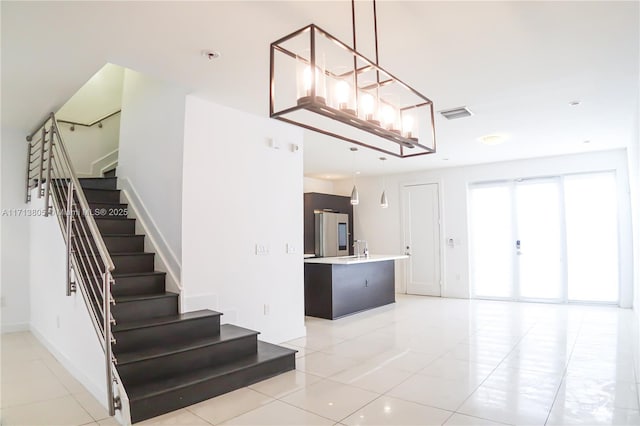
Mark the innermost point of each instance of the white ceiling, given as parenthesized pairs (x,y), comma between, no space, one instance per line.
(516,64)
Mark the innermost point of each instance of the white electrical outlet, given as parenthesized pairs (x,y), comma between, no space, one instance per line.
(291,249)
(266,309)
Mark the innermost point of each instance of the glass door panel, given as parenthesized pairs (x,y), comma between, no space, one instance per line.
(491,241)
(592,237)
(539,242)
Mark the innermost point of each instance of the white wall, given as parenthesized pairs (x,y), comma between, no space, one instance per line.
(14,266)
(318,185)
(239,192)
(61,323)
(150,159)
(87,145)
(382,228)
(633,153)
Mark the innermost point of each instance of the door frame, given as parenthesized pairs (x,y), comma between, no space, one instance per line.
(441,222)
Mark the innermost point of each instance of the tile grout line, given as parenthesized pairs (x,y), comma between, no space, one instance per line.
(564,372)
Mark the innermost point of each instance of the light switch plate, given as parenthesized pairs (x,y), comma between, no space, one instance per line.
(262,249)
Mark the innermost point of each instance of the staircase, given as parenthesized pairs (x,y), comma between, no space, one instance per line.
(167,360)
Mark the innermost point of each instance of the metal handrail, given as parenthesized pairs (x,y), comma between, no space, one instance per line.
(88,260)
(93,123)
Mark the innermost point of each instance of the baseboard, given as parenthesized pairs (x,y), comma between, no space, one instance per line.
(14,328)
(168,261)
(97,391)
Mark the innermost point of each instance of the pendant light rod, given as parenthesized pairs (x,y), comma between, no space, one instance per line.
(375,32)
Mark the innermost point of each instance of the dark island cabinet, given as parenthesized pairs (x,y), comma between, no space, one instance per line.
(335,290)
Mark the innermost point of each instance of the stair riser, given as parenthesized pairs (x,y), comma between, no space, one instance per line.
(116,226)
(145,284)
(157,368)
(180,398)
(102,196)
(141,338)
(128,244)
(143,309)
(133,263)
(101,183)
(115,211)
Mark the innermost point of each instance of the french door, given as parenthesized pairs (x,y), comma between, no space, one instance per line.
(545,239)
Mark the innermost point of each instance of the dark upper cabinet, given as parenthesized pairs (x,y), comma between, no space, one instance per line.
(317,201)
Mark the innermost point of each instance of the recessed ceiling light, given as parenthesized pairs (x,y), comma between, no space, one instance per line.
(445,159)
(494,139)
(574,103)
(587,141)
(211,54)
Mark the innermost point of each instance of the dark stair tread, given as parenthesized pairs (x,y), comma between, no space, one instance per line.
(137,274)
(110,203)
(153,322)
(100,189)
(266,352)
(148,296)
(126,253)
(114,274)
(123,235)
(228,332)
(96,178)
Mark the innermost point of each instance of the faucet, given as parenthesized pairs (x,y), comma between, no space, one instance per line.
(357,247)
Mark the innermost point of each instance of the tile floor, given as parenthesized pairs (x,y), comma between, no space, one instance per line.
(422,361)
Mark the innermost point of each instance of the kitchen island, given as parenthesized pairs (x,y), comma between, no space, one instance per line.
(338,286)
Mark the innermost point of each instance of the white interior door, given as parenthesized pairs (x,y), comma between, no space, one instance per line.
(421,213)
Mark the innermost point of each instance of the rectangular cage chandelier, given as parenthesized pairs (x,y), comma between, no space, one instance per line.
(321,84)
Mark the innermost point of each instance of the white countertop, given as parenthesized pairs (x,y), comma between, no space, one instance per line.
(350,260)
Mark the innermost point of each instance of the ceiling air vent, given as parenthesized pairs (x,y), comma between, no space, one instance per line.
(451,114)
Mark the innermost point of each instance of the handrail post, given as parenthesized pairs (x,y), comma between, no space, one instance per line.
(43,144)
(49,161)
(106,292)
(69,231)
(29,146)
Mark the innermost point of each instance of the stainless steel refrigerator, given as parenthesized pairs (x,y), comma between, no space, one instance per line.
(332,234)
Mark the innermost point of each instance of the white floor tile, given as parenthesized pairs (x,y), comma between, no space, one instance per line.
(65,411)
(330,399)
(463,420)
(434,391)
(371,377)
(324,365)
(30,382)
(176,418)
(392,411)
(278,413)
(599,394)
(567,412)
(227,406)
(455,369)
(284,384)
(505,406)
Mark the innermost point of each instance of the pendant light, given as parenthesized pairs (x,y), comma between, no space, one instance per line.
(322,84)
(355,197)
(384,202)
